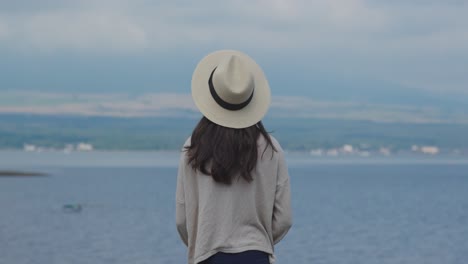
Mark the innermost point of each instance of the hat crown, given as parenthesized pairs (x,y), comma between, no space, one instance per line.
(233,81)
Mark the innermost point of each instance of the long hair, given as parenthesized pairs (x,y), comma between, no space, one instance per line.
(223,152)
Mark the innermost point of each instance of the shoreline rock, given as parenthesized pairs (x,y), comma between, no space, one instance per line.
(11,173)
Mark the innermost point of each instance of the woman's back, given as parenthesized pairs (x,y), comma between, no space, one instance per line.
(238,217)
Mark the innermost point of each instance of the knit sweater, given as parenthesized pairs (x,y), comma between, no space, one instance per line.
(213,217)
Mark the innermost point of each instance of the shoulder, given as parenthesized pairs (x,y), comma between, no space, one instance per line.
(183,151)
(187,143)
(265,150)
(276,144)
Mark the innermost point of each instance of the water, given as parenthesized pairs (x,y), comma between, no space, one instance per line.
(344,212)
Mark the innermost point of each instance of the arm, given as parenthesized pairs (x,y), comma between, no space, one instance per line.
(282,215)
(181,221)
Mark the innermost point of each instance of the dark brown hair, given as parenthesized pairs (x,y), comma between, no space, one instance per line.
(223,152)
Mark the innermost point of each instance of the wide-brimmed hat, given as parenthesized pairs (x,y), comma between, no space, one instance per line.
(230,89)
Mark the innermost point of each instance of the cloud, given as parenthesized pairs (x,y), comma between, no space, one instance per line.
(421,44)
(313,26)
(3,30)
(75,31)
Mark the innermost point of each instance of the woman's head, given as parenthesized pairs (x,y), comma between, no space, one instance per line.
(223,153)
(231,91)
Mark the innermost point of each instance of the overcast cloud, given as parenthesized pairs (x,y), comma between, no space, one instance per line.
(418,26)
(418,44)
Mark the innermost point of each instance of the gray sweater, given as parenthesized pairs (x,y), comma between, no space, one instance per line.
(213,217)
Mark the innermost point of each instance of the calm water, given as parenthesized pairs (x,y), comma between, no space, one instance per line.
(344,212)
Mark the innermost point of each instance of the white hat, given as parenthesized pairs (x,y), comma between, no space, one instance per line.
(230,89)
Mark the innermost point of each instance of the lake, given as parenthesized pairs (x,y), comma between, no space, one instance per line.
(387,210)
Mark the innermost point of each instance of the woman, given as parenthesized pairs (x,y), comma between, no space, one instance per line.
(233,191)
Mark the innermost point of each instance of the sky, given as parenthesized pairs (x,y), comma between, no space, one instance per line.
(397,53)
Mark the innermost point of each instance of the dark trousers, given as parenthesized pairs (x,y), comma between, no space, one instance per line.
(246,257)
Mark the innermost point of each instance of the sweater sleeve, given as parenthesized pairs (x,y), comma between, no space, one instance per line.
(282,215)
(181,220)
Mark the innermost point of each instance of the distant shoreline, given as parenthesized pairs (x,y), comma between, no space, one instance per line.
(20,173)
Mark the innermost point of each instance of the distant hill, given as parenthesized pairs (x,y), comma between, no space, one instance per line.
(362,103)
(163,133)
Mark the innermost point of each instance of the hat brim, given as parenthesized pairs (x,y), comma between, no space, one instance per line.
(245,117)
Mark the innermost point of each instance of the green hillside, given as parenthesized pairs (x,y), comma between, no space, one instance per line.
(108,133)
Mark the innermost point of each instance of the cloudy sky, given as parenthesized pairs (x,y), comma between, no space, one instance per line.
(412,52)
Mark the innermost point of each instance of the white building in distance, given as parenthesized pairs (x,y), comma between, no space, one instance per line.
(332,152)
(29,148)
(316,152)
(84,147)
(348,149)
(385,151)
(431,150)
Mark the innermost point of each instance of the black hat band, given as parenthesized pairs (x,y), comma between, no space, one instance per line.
(221,102)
